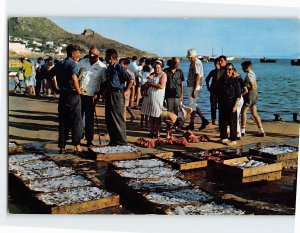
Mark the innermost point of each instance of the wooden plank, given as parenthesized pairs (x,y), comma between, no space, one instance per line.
(253,171)
(87,206)
(289,163)
(194,164)
(271,176)
(118,156)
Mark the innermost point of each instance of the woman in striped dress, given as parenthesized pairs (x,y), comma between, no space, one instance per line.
(153,103)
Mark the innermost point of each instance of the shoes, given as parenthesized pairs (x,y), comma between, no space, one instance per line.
(260,134)
(204,124)
(77,152)
(232,143)
(62,151)
(243,134)
(189,127)
(225,141)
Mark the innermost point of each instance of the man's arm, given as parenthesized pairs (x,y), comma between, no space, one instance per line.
(76,83)
(197,83)
(207,80)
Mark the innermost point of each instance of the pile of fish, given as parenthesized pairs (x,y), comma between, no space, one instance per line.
(137,163)
(206,209)
(55,185)
(151,143)
(180,160)
(71,196)
(145,143)
(215,155)
(114,149)
(147,173)
(164,183)
(250,163)
(177,197)
(12,144)
(276,150)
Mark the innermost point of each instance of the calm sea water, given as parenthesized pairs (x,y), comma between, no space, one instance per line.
(278,87)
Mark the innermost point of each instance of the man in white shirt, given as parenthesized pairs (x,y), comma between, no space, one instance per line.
(91,76)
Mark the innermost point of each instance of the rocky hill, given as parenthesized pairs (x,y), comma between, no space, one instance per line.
(42,29)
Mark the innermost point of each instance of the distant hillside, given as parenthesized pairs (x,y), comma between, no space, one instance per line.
(42,29)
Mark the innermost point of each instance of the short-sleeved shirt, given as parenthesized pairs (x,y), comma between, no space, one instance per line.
(195,68)
(27,68)
(250,78)
(116,76)
(91,76)
(173,85)
(64,70)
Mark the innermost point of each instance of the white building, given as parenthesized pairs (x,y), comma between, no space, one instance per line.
(18,48)
(49,43)
(63,45)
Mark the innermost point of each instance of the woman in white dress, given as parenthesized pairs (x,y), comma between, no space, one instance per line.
(153,104)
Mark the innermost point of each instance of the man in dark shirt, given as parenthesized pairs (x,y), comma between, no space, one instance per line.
(115,96)
(228,92)
(69,105)
(38,76)
(174,86)
(212,89)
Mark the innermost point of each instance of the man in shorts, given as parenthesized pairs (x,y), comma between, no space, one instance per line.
(194,83)
(250,99)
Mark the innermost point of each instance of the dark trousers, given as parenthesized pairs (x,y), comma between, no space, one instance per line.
(213,106)
(173,105)
(88,110)
(227,117)
(114,118)
(69,112)
(38,85)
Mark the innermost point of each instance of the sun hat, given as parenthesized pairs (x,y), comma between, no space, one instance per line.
(185,111)
(191,53)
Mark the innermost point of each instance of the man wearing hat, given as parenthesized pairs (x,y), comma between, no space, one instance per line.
(195,83)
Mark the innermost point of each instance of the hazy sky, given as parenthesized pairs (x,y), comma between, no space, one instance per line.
(172,37)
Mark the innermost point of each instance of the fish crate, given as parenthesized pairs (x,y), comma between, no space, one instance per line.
(286,154)
(77,200)
(182,162)
(111,153)
(267,171)
(14,148)
(135,163)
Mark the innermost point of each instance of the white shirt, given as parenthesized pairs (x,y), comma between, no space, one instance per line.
(91,76)
(133,67)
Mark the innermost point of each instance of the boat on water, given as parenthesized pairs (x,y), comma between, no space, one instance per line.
(295,62)
(230,58)
(265,60)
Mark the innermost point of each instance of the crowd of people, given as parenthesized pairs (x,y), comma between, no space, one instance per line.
(145,84)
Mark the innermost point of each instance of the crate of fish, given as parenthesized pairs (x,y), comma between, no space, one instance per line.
(286,154)
(135,163)
(250,169)
(110,153)
(76,200)
(216,155)
(181,161)
(14,147)
(211,208)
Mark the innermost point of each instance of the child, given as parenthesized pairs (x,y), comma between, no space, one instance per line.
(172,120)
(144,79)
(17,79)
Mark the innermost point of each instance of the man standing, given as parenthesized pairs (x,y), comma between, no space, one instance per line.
(38,76)
(211,88)
(69,105)
(27,71)
(174,86)
(194,83)
(91,76)
(116,76)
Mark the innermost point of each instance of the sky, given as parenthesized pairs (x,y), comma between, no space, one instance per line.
(272,38)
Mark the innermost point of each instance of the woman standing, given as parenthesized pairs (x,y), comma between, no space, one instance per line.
(153,104)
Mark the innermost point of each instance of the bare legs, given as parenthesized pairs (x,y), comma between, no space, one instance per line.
(256,117)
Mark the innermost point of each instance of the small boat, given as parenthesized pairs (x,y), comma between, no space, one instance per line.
(295,62)
(230,58)
(265,60)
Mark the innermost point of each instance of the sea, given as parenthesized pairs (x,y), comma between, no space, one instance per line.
(278,87)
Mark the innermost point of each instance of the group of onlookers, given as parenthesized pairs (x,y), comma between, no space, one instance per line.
(124,84)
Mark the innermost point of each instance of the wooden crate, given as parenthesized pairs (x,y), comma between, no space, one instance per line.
(278,157)
(15,149)
(194,164)
(83,207)
(269,172)
(115,156)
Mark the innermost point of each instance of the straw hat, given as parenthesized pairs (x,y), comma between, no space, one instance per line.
(191,53)
(185,111)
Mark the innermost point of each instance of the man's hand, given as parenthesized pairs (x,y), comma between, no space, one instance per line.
(234,109)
